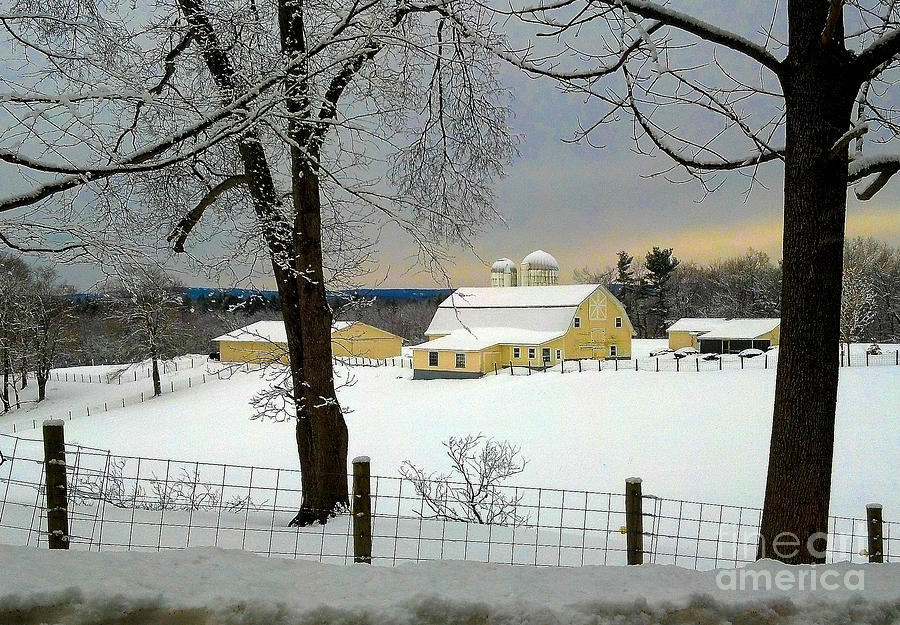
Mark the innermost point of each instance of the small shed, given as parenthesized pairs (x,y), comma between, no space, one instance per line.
(684,332)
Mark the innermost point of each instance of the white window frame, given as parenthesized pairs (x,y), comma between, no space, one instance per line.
(532,353)
(517,352)
(463,365)
(437,359)
(577,322)
(613,351)
(618,322)
(559,354)
(549,354)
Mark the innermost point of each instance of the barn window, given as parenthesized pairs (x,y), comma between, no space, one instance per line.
(613,351)
(618,322)
(531,353)
(559,354)
(577,322)
(516,352)
(460,361)
(432,359)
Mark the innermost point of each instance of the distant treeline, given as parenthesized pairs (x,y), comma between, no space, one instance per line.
(659,289)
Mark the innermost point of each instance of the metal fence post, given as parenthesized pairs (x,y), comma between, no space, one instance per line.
(55,482)
(874,527)
(362,511)
(634,521)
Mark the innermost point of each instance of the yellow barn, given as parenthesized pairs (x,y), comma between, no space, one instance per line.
(477,328)
(724,336)
(265,341)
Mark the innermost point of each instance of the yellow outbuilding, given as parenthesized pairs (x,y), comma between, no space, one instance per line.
(266,341)
(684,332)
(477,328)
(724,336)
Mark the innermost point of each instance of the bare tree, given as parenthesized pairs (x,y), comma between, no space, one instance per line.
(145,303)
(858,304)
(15,277)
(47,324)
(292,124)
(805,82)
(474,490)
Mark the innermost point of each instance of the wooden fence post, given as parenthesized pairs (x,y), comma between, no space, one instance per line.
(362,511)
(657,364)
(678,364)
(495,368)
(634,521)
(616,364)
(697,360)
(635,364)
(873,525)
(529,367)
(579,365)
(55,481)
(511,372)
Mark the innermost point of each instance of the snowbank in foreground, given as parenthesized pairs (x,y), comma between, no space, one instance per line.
(232,587)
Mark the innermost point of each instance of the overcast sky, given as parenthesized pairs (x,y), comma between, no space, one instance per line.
(584,204)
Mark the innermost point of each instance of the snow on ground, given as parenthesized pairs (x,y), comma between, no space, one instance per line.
(75,399)
(231,587)
(694,436)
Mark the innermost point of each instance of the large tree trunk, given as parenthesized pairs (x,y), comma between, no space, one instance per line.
(819,105)
(321,431)
(322,435)
(296,253)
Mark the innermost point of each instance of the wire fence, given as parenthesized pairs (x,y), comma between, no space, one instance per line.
(127,503)
(138,397)
(404,362)
(690,363)
(129,372)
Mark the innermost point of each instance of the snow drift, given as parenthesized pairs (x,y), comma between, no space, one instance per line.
(231,587)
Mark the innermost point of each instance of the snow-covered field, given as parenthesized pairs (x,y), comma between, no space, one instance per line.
(230,588)
(699,437)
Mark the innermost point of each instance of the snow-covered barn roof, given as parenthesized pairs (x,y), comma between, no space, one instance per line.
(534,308)
(270,332)
(695,324)
(741,329)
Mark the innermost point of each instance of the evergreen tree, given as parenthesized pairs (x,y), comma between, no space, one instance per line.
(660,264)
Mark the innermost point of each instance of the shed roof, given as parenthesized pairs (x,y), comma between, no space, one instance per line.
(695,324)
(268,331)
(741,329)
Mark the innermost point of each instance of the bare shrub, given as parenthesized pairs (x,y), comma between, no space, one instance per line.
(474,490)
